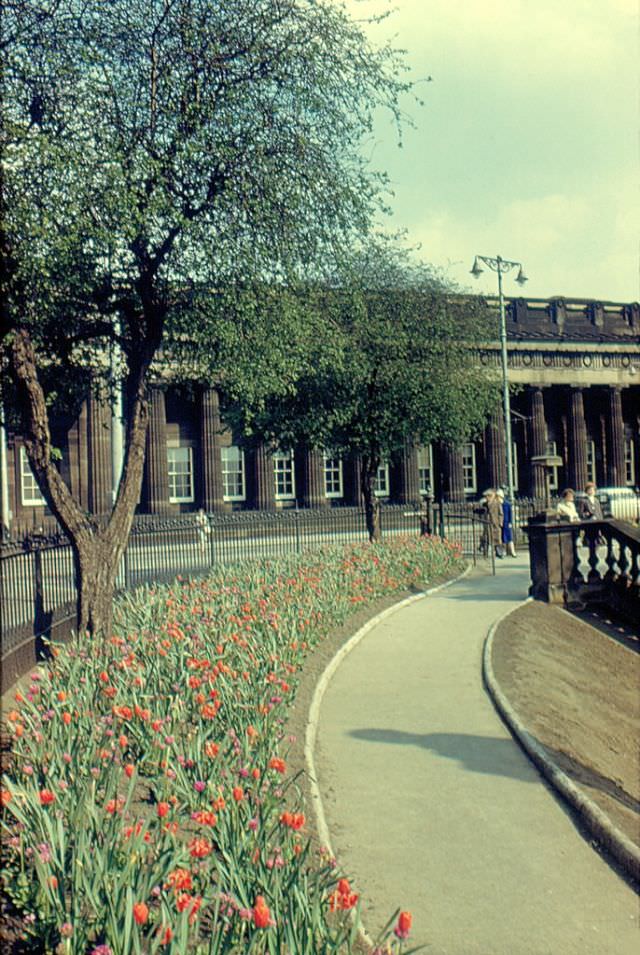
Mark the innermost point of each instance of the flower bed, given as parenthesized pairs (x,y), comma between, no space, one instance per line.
(148,806)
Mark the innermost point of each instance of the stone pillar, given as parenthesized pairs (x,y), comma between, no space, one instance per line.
(615,440)
(99,448)
(576,441)
(496,462)
(407,478)
(264,491)
(352,476)
(212,491)
(452,473)
(156,477)
(312,472)
(79,457)
(537,442)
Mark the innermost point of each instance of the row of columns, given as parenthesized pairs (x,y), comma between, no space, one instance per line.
(260,479)
(576,463)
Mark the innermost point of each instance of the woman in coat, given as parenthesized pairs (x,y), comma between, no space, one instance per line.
(508,544)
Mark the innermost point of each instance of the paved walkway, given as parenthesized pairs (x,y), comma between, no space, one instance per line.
(433,808)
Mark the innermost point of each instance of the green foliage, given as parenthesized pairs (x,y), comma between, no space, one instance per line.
(148,769)
(157,149)
(388,355)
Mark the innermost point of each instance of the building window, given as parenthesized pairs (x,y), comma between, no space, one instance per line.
(629,463)
(30,492)
(514,462)
(381,482)
(469,478)
(284,475)
(425,469)
(180,467)
(553,471)
(333,486)
(591,461)
(233,482)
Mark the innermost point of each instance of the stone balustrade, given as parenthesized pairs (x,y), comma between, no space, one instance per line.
(587,563)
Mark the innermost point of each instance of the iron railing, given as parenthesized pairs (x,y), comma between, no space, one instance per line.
(37,576)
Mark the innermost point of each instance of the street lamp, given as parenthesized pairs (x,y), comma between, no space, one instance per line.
(502,266)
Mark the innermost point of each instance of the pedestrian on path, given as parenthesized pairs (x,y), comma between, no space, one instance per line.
(508,543)
(496,521)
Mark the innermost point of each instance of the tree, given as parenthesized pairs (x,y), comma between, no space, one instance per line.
(393,361)
(156,152)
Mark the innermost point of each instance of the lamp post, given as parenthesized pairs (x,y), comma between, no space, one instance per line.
(502,266)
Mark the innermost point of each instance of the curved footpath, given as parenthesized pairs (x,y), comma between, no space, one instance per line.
(432,806)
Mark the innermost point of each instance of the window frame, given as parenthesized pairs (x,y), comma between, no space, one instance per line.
(326,457)
(554,476)
(27,474)
(181,499)
(629,462)
(428,487)
(383,472)
(590,456)
(284,456)
(472,487)
(231,498)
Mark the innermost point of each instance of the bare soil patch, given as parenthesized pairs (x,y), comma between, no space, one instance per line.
(576,687)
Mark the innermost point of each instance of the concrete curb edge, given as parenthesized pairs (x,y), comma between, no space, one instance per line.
(625,852)
(311,731)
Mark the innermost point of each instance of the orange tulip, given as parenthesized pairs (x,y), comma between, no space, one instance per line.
(141,912)
(261,913)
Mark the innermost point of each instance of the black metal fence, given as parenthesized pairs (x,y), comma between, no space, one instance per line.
(37,578)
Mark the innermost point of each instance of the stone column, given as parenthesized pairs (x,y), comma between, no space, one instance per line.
(79,457)
(264,491)
(615,440)
(537,442)
(313,489)
(352,476)
(407,477)
(577,441)
(99,448)
(452,473)
(496,463)
(156,478)
(212,491)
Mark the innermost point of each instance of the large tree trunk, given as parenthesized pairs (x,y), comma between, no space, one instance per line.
(97,550)
(370,466)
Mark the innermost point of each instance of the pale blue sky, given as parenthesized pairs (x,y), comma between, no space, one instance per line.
(527,145)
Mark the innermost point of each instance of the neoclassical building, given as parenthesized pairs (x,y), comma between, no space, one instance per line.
(576,368)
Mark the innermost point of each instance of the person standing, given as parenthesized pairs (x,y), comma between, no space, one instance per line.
(567,508)
(590,507)
(508,544)
(496,520)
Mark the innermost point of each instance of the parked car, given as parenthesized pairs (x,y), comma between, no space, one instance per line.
(622,503)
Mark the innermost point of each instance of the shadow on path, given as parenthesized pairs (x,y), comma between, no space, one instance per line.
(477,754)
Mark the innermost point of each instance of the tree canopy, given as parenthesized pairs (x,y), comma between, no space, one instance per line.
(392,361)
(152,149)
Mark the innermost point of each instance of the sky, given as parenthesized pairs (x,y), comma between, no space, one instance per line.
(526,145)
